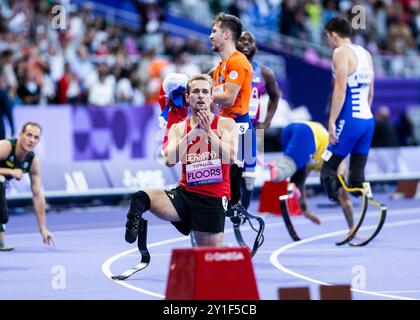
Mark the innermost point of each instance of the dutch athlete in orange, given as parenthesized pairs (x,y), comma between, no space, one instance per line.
(232,92)
(206,145)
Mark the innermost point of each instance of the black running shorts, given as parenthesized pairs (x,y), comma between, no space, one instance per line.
(198,212)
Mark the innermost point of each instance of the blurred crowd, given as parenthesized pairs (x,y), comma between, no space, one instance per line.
(392,26)
(95,62)
(89,62)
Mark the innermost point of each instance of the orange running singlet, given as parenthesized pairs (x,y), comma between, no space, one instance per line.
(235,69)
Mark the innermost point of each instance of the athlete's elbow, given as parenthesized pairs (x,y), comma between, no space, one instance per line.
(275,97)
(169,163)
(229,101)
(168,160)
(228,104)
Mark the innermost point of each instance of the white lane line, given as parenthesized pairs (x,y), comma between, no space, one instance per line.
(106,267)
(394,212)
(276,254)
(408,291)
(107,264)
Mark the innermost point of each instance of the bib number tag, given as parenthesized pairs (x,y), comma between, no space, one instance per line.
(204,172)
(326,155)
(242,127)
(254,103)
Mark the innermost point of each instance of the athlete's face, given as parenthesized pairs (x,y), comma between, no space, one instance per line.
(200,96)
(29,138)
(246,44)
(216,37)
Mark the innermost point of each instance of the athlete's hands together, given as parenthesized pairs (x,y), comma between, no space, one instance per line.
(202,127)
(203,118)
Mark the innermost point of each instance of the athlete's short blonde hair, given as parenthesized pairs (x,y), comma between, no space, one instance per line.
(202,76)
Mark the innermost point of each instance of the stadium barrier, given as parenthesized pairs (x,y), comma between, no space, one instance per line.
(113,151)
(95,178)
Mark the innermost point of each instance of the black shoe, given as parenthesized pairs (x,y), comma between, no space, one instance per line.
(132,227)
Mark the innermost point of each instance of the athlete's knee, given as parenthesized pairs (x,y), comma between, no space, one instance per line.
(329,178)
(140,202)
(208,239)
(357,170)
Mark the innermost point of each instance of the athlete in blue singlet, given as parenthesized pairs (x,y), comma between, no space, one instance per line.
(263,81)
(351,122)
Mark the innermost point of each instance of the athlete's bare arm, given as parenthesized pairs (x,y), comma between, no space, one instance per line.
(228,97)
(371,90)
(341,68)
(213,105)
(303,200)
(177,144)
(38,200)
(273,92)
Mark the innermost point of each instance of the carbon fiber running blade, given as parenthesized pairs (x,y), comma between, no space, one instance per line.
(350,236)
(383,209)
(145,255)
(347,239)
(131,271)
(6,249)
(354,231)
(238,220)
(286,218)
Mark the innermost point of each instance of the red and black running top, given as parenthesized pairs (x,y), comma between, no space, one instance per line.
(203,171)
